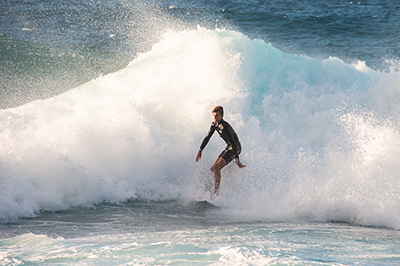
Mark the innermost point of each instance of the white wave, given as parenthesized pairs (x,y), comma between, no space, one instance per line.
(320,138)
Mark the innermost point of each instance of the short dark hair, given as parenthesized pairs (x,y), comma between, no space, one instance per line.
(218,109)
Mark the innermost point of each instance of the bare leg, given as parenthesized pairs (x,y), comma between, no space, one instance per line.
(216,168)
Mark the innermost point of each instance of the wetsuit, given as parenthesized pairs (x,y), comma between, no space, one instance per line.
(227,133)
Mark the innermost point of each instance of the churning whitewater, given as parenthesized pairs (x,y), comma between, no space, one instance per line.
(320,138)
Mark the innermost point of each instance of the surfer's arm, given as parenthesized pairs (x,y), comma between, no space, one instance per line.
(205,141)
(207,137)
(235,144)
(231,139)
(236,147)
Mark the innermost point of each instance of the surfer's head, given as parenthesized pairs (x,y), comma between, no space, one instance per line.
(218,109)
(218,113)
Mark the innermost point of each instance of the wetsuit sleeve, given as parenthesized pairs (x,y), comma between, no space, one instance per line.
(207,138)
(234,141)
(235,148)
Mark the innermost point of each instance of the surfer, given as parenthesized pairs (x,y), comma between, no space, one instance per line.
(232,149)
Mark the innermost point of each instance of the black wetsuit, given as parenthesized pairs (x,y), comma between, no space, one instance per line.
(227,133)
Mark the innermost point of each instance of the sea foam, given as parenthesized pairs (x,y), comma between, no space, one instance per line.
(320,138)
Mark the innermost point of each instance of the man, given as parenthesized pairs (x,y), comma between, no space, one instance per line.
(232,149)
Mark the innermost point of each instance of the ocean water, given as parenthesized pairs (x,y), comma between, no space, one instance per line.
(104,105)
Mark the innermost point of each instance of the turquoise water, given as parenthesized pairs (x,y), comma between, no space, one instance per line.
(146,233)
(105,104)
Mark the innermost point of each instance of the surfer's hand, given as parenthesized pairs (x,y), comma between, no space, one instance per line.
(240,164)
(198,157)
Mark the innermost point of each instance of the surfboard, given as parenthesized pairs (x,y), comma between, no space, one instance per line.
(205,202)
(204,205)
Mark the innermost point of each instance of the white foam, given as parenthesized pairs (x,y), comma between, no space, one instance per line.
(320,138)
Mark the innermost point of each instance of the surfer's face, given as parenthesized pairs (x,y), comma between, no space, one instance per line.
(217,117)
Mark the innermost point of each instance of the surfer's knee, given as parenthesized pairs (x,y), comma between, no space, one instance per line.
(214,168)
(218,165)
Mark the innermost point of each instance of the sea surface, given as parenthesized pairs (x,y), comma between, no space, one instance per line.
(104,104)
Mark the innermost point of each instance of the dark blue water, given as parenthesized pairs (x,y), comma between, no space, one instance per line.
(48,47)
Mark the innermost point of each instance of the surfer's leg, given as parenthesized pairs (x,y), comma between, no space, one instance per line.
(216,168)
